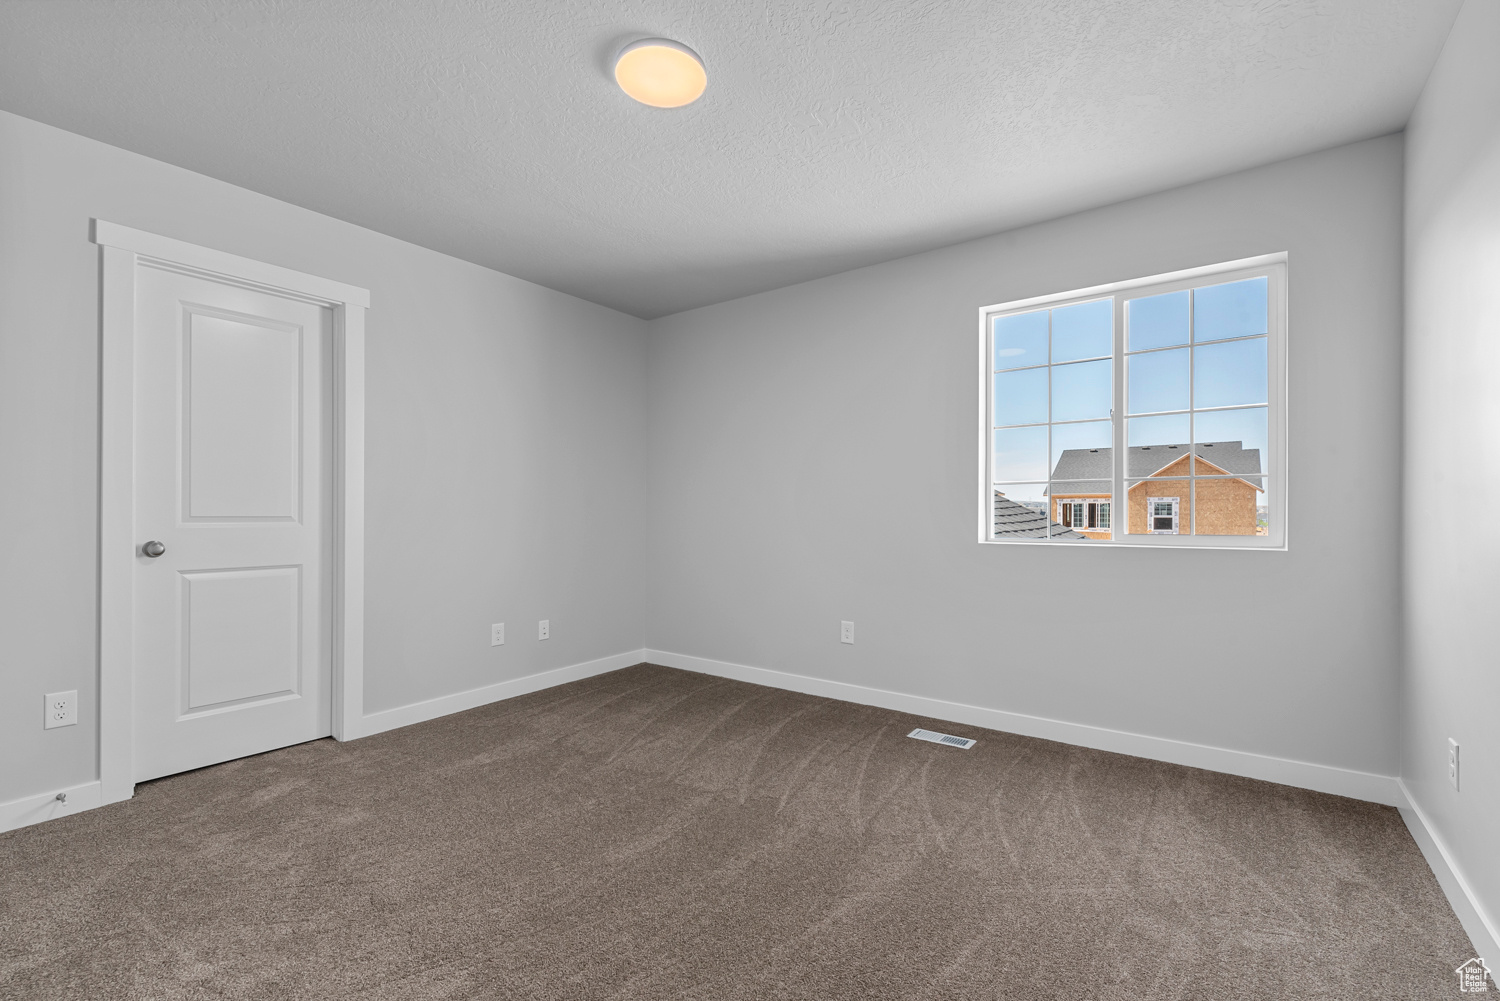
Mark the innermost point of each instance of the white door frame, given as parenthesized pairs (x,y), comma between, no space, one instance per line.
(123,250)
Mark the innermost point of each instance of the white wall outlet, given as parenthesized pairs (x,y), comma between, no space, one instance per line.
(497,634)
(62,710)
(1453,762)
(846,632)
(544,629)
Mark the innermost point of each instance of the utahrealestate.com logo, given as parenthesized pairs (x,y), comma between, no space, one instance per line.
(1474,977)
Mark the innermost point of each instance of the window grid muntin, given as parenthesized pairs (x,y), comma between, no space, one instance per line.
(1085,361)
(1176,413)
(1100,420)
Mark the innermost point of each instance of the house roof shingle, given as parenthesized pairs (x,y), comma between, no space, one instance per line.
(1014,520)
(1097,464)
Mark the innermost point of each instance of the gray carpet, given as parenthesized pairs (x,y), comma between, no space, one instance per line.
(657,834)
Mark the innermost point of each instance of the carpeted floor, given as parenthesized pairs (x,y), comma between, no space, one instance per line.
(657,834)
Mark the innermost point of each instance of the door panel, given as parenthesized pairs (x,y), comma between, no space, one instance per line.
(232,454)
(241,636)
(244,430)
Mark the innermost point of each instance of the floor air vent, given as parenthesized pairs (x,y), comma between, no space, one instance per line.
(942,738)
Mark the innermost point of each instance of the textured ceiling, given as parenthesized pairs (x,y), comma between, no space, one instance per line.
(832,135)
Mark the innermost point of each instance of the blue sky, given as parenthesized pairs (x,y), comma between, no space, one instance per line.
(1186,355)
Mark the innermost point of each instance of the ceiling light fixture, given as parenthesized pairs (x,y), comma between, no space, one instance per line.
(660,72)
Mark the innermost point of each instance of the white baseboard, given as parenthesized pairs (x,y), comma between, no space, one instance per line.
(1483,930)
(443,705)
(42,806)
(45,806)
(1302,774)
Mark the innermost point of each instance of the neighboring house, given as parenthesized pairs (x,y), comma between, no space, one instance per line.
(1017,521)
(1160,504)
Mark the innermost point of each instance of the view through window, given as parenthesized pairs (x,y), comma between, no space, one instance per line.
(1148,412)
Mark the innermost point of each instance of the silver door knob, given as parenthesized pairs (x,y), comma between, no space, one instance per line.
(153,549)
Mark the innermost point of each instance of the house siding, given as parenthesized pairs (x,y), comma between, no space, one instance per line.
(1224,507)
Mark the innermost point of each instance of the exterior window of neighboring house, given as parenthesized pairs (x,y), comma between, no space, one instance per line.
(1163,514)
(1092,515)
(1161,399)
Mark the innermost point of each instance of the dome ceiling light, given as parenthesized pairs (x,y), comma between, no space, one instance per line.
(660,72)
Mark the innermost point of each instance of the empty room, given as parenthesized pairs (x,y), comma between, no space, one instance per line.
(637,500)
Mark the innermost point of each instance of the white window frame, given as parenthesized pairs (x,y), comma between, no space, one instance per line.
(1275,464)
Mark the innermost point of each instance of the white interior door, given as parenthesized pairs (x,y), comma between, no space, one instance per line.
(232,450)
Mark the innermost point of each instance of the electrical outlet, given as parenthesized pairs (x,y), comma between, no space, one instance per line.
(61,710)
(544,629)
(1453,763)
(846,632)
(497,634)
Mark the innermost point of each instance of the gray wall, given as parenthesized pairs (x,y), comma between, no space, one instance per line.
(505,443)
(812,458)
(1451,680)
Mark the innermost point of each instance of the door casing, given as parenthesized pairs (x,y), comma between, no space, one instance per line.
(123,250)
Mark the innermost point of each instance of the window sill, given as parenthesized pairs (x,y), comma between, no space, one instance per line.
(1188,542)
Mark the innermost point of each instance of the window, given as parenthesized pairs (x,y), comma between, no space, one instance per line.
(1162,398)
(1162,512)
(1090,515)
